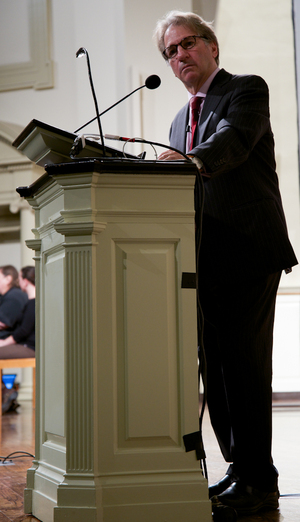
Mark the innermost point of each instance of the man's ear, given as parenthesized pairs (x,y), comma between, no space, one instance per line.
(214,49)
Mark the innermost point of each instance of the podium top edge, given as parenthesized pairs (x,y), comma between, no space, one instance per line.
(37,123)
(109,166)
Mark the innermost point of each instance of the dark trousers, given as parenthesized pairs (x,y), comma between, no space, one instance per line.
(238,337)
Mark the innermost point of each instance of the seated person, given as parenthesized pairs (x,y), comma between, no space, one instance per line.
(21,342)
(12,300)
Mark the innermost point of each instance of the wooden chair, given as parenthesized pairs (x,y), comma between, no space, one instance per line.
(18,363)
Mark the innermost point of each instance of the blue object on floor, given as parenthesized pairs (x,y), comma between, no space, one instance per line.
(8,379)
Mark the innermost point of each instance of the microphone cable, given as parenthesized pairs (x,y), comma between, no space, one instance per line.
(79,144)
(202,372)
(148,142)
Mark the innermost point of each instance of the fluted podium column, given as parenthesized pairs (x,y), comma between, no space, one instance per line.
(117,347)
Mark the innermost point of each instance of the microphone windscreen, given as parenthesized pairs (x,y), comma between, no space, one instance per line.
(81,52)
(153,81)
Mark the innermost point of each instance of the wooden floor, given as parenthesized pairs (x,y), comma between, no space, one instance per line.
(18,435)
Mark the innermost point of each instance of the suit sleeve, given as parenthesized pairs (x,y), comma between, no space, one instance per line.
(238,124)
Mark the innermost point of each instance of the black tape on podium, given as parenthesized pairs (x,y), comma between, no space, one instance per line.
(188,280)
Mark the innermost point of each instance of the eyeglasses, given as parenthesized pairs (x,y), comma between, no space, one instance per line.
(187,43)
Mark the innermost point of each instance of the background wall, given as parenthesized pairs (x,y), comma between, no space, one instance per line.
(296,21)
(255,37)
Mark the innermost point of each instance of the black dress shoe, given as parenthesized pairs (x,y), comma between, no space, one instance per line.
(247,500)
(222,485)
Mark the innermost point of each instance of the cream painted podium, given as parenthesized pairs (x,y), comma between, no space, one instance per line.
(116,344)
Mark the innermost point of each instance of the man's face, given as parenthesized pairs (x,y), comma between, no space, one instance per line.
(193,66)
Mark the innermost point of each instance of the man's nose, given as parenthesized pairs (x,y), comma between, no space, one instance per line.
(181,52)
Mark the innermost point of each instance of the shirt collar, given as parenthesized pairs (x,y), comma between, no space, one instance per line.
(204,88)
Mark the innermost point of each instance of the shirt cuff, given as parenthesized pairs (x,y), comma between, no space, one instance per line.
(198,164)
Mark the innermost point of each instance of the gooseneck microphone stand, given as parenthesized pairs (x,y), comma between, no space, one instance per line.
(82,51)
(152,82)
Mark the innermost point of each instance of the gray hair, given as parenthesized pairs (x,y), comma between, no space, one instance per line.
(191,20)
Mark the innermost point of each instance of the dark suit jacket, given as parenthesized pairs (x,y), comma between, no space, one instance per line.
(244,226)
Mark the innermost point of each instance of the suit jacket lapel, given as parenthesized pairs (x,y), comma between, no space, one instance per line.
(182,129)
(212,100)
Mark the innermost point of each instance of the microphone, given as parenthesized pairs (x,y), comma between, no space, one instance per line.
(82,51)
(152,82)
(141,140)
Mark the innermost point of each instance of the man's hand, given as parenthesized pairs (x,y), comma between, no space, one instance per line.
(2,326)
(170,155)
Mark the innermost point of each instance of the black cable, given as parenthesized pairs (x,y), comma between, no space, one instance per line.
(23,454)
(79,144)
(141,140)
(199,204)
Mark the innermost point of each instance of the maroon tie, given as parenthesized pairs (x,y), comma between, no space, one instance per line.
(195,104)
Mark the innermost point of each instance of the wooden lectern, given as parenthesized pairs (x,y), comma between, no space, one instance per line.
(116,342)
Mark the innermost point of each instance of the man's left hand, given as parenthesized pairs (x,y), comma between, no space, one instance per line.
(170,155)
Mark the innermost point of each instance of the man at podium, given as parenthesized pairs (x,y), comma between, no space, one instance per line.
(242,248)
